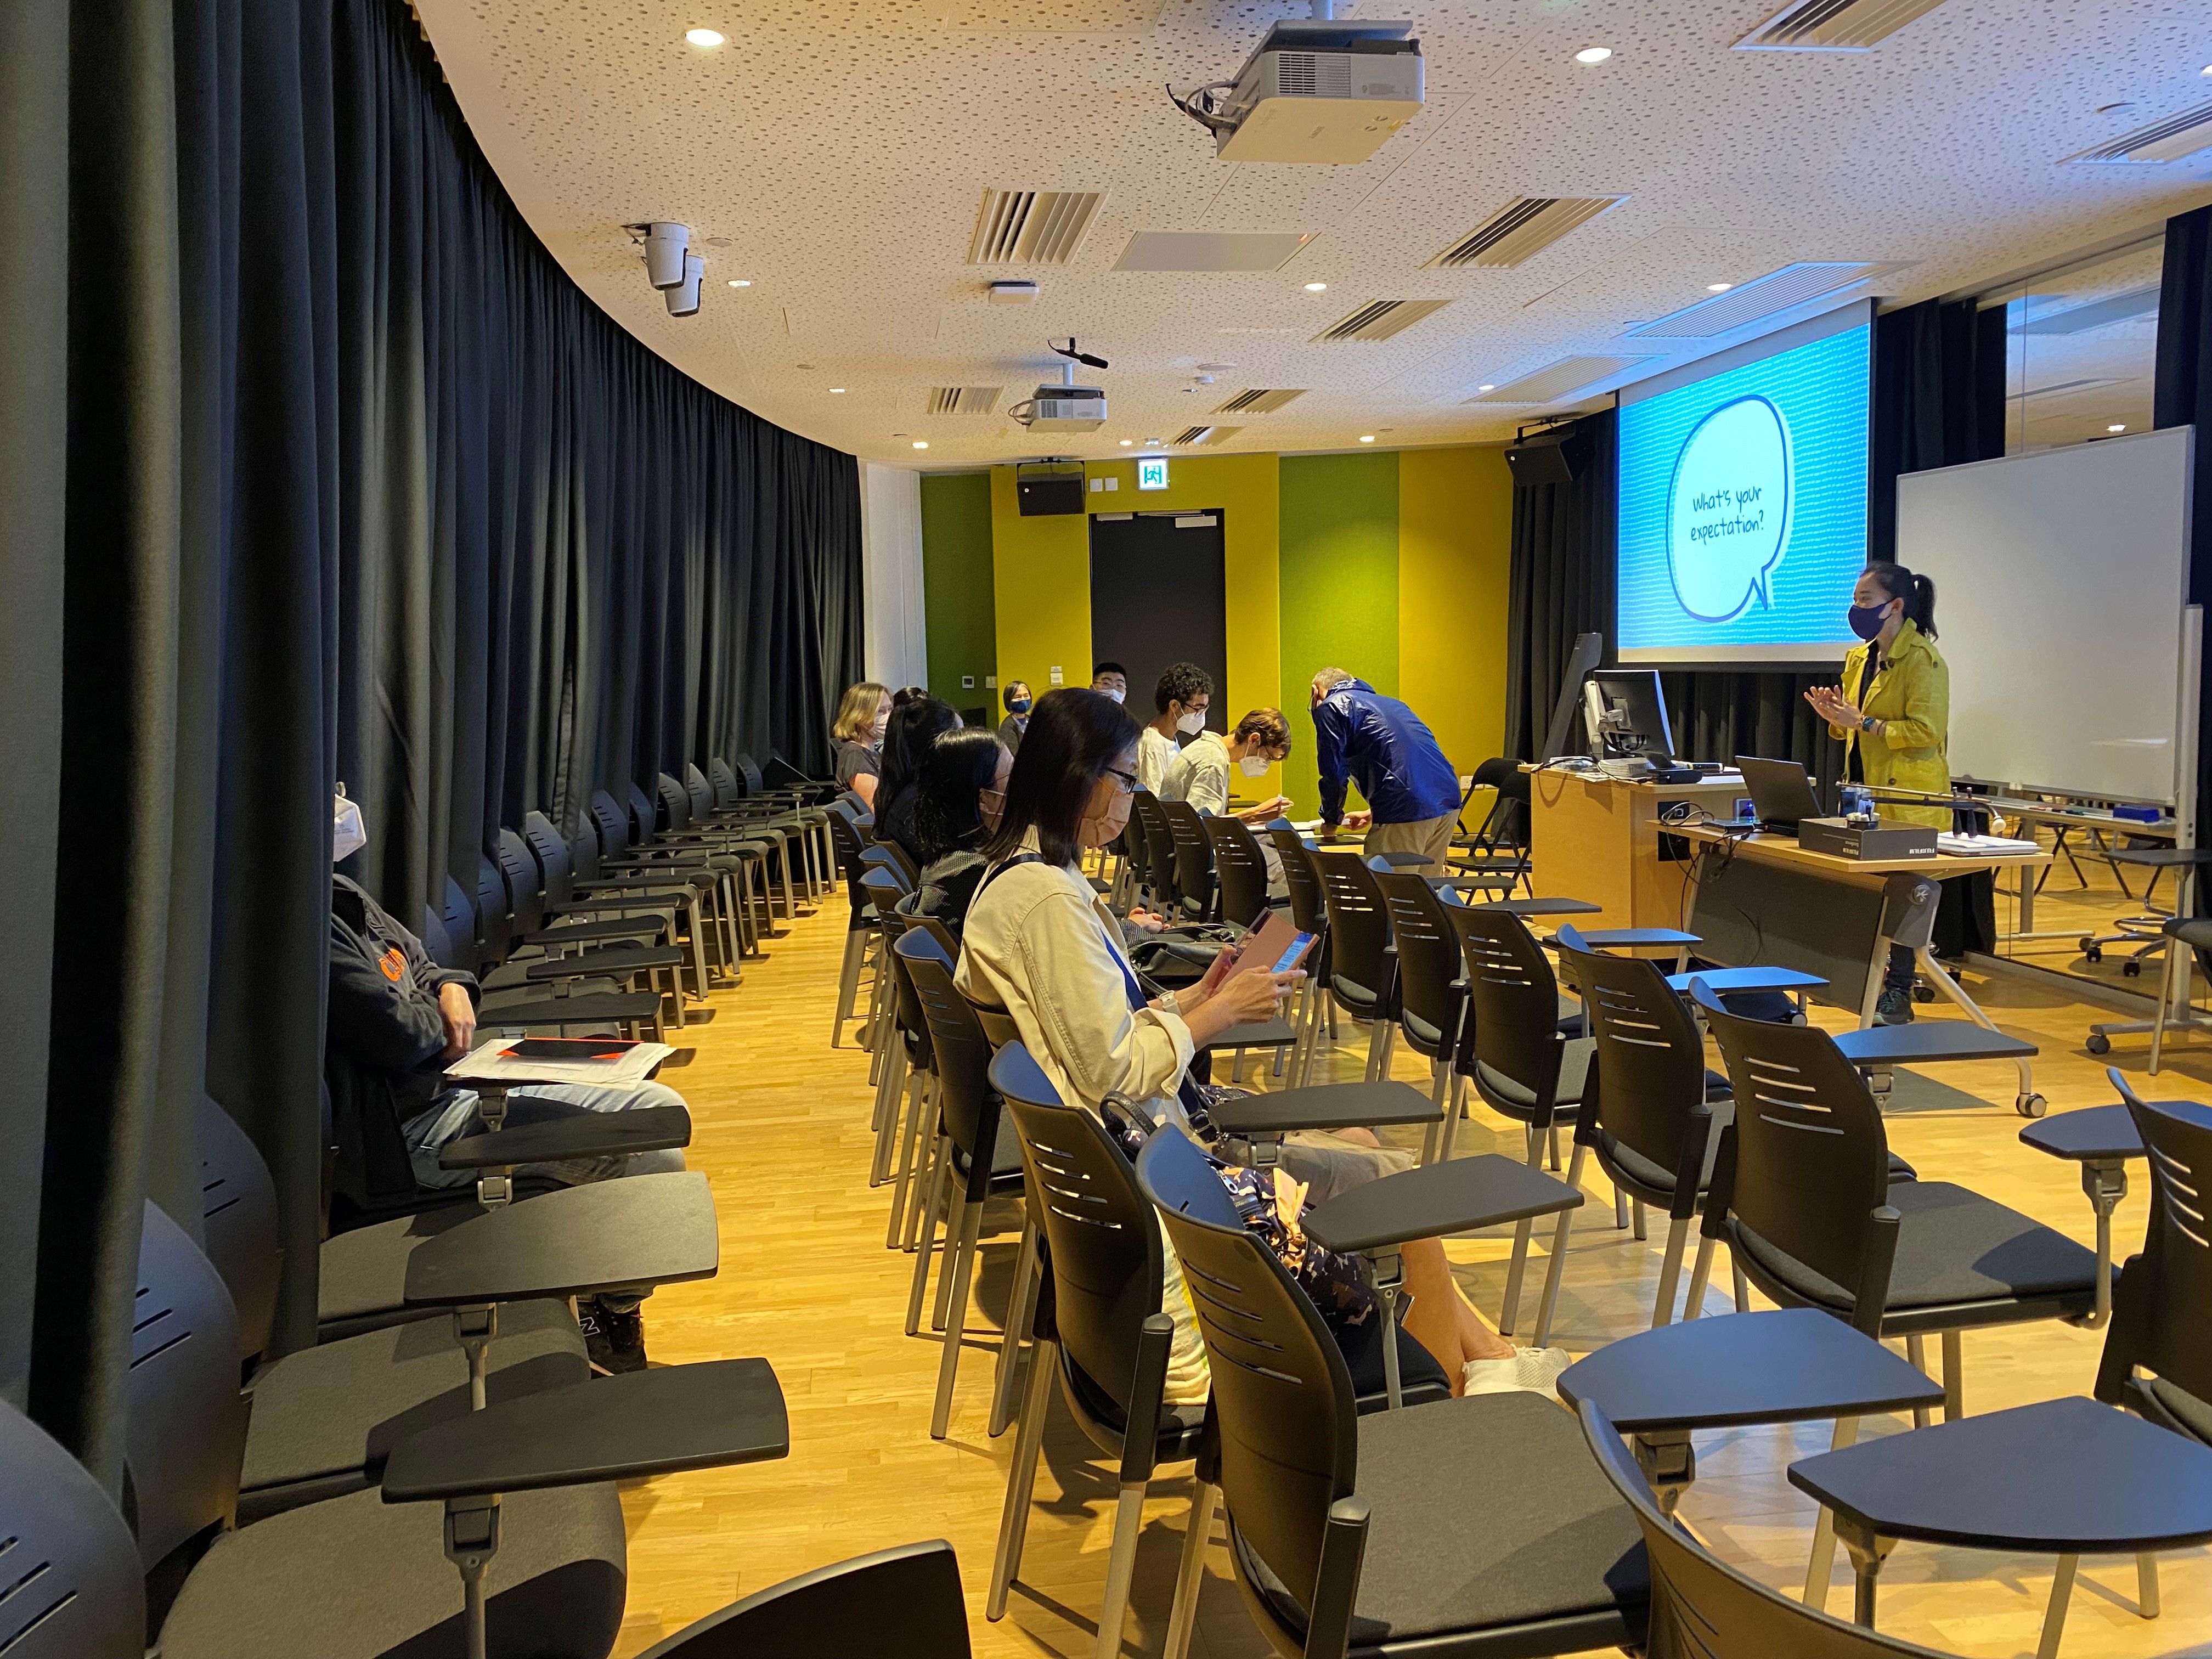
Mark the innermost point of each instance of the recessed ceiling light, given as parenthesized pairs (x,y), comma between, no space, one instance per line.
(2118,426)
(1718,288)
(1367,437)
(1126,442)
(703,37)
(2206,70)
(1485,388)
(1152,440)
(836,389)
(741,282)
(1593,54)
(1316,288)
(921,443)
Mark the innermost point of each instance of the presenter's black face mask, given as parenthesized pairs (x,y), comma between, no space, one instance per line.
(1867,619)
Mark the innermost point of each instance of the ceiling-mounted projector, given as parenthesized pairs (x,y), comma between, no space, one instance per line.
(1322,89)
(1065,407)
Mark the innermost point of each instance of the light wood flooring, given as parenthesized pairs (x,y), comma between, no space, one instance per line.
(781,1127)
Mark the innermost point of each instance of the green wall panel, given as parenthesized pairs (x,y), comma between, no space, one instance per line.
(956,586)
(1339,589)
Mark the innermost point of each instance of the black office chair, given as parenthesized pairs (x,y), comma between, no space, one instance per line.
(902,1603)
(1430,978)
(1802,1193)
(1353,1534)
(1240,870)
(1500,846)
(1148,818)
(1309,915)
(1360,970)
(1704,1608)
(2158,1350)
(1197,899)
(861,931)
(978,1158)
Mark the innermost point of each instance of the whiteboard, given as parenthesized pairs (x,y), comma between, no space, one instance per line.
(2060,579)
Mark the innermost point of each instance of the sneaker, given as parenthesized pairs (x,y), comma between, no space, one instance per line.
(614,1341)
(1893,1006)
(1531,1370)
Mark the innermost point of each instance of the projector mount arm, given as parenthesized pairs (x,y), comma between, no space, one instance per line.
(1203,105)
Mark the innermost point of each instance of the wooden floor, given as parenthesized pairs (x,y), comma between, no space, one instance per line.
(781,1127)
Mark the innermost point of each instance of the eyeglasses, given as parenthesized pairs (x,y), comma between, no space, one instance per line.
(1128,779)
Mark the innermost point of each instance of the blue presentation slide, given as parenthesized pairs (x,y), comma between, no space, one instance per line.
(1743,510)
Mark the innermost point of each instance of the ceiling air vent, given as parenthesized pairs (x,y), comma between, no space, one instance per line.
(1762,296)
(963,400)
(2162,141)
(1205,435)
(1834,25)
(1378,319)
(1032,227)
(1522,228)
(1258,401)
(2095,313)
(1569,374)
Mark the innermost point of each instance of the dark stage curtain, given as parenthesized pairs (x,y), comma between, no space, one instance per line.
(1560,585)
(1939,400)
(2182,395)
(314,466)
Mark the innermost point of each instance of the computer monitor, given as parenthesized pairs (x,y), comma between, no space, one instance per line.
(1589,647)
(1628,717)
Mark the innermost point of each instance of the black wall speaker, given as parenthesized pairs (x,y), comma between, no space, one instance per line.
(1041,494)
(1548,457)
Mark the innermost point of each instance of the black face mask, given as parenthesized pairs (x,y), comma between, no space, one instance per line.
(1866,620)
(1019,706)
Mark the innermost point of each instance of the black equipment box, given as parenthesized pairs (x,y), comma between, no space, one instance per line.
(1842,840)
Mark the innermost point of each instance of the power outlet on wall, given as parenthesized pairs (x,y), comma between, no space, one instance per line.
(967,682)
(1056,674)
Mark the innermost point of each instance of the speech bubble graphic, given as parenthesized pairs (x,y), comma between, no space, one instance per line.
(1730,510)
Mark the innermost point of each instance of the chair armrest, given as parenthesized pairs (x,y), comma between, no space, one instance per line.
(614,1008)
(1326,1106)
(1141,1440)
(1336,1586)
(1452,1197)
(613,1428)
(603,1235)
(589,1135)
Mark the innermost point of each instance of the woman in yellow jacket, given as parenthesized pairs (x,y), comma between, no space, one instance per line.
(1892,712)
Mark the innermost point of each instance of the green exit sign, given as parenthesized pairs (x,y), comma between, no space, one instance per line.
(1151,472)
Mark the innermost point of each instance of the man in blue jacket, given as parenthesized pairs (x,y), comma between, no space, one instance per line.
(1377,743)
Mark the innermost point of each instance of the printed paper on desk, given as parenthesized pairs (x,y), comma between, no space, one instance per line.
(489,1063)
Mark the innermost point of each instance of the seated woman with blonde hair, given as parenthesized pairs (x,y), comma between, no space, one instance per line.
(1040,943)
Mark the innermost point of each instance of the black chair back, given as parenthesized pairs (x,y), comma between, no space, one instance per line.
(1193,861)
(902,1603)
(526,885)
(463,940)
(749,769)
(967,1103)
(1102,1242)
(1240,870)
(1282,1395)
(1703,1608)
(1512,1027)
(728,792)
(892,856)
(675,802)
(1358,933)
(612,824)
(906,1006)
(555,871)
(644,815)
(1651,1055)
(238,1220)
(1505,826)
(1805,1163)
(1308,908)
(1132,846)
(495,910)
(2162,1318)
(1150,819)
(703,804)
(1431,984)
(74,1587)
(185,1431)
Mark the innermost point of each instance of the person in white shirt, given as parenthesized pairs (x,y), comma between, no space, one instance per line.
(1182,696)
(1199,774)
(1041,944)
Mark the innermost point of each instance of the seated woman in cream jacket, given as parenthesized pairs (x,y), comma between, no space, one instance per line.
(1042,944)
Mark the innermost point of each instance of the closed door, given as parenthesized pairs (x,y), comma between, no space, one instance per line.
(1158,596)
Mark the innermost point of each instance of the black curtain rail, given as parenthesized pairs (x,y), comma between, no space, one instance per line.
(314,466)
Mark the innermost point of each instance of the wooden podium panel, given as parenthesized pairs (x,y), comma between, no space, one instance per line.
(1596,838)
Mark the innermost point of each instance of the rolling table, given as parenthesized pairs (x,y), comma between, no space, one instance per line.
(1762,899)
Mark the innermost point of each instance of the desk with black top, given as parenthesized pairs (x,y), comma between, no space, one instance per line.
(1762,900)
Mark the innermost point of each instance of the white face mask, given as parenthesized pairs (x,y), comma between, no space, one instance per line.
(347,835)
(1109,691)
(1254,766)
(1192,722)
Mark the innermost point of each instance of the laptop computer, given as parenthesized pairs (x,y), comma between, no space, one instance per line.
(1781,794)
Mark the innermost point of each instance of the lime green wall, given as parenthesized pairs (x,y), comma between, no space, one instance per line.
(1339,587)
(957,583)
(1391,564)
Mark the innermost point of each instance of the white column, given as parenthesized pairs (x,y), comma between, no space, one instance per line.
(897,646)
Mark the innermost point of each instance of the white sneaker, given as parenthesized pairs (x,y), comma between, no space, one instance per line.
(1531,1370)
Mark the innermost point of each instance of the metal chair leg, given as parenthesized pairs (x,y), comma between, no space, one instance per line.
(925,1243)
(1121,1567)
(1954,1378)
(1670,1273)
(1823,1560)
(956,1317)
(1552,1272)
(1020,1477)
(1509,1315)
(903,1178)
(2165,974)
(1742,1285)
(1915,1350)
(2054,1616)
(1018,1304)
(2146,1596)
(1191,1575)
(1700,1276)
(849,983)
(1636,1219)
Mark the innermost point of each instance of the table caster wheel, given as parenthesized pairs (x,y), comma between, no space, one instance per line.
(2099,1043)
(2031,1105)
(2093,953)
(2132,969)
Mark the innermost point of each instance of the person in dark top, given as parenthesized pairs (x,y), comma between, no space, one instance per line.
(397,1020)
(1018,699)
(957,798)
(1412,795)
(914,726)
(859,732)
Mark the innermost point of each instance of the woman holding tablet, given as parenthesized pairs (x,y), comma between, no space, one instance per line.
(1892,712)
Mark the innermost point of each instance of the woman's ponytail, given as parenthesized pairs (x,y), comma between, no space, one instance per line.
(1918,593)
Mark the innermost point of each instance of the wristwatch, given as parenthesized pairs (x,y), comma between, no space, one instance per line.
(1868,722)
